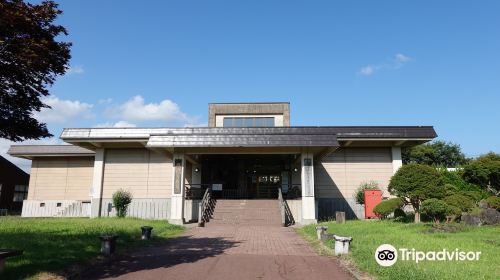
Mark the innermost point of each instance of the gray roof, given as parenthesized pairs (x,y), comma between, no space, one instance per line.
(381,132)
(246,137)
(29,151)
(342,132)
(297,136)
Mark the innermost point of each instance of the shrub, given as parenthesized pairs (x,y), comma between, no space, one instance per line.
(415,183)
(360,194)
(399,213)
(121,200)
(493,202)
(387,207)
(452,213)
(435,209)
(464,203)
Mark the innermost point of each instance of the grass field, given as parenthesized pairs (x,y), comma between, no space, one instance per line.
(368,235)
(53,244)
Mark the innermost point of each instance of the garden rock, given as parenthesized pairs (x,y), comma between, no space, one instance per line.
(490,216)
(483,204)
(470,219)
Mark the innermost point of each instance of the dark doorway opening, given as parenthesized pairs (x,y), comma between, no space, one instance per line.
(247,176)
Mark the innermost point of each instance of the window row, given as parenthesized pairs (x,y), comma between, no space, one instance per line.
(248,122)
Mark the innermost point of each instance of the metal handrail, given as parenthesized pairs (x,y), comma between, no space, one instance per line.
(205,207)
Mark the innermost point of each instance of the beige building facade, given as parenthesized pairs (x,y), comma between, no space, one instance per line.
(248,151)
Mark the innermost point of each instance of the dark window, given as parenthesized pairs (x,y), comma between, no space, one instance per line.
(59,204)
(248,122)
(20,193)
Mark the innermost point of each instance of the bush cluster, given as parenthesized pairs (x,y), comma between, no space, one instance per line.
(435,209)
(493,202)
(464,203)
(121,200)
(360,192)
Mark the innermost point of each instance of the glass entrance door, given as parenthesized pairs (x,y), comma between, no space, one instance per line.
(267,185)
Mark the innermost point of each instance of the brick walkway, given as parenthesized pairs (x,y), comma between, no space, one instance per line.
(225,252)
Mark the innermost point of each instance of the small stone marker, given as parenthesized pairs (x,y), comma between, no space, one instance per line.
(146,232)
(108,244)
(321,232)
(340,217)
(7,253)
(341,244)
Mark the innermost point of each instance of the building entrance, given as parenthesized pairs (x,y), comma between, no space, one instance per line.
(247,176)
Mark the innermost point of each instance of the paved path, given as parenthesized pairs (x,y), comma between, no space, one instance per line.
(226,252)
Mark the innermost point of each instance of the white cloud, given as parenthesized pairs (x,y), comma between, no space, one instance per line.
(24,164)
(124,124)
(63,110)
(117,124)
(77,69)
(136,110)
(396,62)
(367,70)
(401,57)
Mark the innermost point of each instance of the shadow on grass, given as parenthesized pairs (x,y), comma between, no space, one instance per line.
(179,250)
(52,250)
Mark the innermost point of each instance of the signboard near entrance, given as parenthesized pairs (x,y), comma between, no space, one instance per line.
(217,187)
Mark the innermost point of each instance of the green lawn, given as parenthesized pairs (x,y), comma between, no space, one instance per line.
(52,244)
(368,235)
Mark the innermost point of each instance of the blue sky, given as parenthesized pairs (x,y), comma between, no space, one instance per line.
(158,63)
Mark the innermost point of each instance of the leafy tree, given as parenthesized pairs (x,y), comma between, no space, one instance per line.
(456,179)
(436,153)
(360,192)
(484,172)
(30,61)
(415,183)
(435,209)
(121,200)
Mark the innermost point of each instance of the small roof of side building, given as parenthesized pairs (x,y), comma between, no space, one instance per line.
(31,151)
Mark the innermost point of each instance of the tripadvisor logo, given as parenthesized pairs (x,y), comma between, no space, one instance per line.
(387,255)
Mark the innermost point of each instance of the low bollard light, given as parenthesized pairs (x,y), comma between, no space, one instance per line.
(146,232)
(341,244)
(108,244)
(321,232)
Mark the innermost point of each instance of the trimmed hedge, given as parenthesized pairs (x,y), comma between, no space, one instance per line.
(387,207)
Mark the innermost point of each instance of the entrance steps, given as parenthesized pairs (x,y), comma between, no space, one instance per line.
(246,211)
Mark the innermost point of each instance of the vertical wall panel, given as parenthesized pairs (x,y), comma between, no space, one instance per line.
(61,178)
(146,174)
